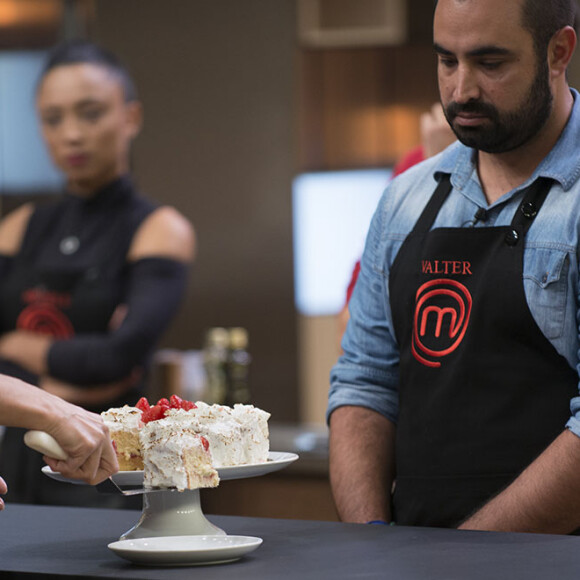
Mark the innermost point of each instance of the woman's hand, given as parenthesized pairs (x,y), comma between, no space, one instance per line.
(85,439)
(436,134)
(3,489)
(83,435)
(27,349)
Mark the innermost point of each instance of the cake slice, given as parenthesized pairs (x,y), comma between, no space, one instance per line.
(124,424)
(174,455)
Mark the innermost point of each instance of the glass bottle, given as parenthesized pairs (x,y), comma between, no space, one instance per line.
(238,367)
(215,360)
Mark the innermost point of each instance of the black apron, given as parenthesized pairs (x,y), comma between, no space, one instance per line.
(482,390)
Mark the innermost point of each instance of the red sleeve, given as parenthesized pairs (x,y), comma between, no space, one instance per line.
(407,161)
(352,282)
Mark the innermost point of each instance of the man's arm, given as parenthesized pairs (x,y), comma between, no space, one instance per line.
(362,462)
(545,498)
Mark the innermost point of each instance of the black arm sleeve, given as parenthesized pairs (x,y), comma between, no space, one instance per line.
(5,263)
(155,290)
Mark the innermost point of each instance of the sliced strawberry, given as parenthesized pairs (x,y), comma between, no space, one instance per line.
(204,442)
(175,402)
(163,402)
(187,405)
(154,413)
(147,415)
(143,404)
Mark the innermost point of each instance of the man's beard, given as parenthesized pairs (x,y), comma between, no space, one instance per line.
(502,132)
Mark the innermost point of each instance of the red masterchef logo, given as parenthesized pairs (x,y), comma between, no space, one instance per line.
(442,312)
(43,315)
(44,318)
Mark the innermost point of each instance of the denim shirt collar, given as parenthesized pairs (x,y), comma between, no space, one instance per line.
(561,164)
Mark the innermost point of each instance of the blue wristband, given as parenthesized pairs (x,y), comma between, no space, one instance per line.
(380,522)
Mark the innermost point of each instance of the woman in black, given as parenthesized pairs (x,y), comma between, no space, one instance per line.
(89,283)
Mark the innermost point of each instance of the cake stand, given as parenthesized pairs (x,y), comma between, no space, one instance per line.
(179,513)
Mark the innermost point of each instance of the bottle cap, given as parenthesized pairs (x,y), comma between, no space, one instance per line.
(217,336)
(238,338)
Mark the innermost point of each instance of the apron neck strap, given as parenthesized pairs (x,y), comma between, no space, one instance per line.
(534,197)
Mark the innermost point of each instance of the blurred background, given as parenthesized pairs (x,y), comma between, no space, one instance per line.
(273,125)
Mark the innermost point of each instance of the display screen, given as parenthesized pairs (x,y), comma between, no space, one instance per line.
(331,215)
(25,166)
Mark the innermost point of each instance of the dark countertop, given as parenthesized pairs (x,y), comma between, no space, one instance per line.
(73,542)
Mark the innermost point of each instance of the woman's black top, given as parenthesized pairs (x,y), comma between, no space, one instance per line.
(71,275)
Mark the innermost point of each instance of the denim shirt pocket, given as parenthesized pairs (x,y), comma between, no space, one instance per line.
(546,288)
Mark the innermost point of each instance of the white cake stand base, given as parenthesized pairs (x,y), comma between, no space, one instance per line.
(172,513)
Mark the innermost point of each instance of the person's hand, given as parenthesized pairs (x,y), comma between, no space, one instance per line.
(27,349)
(436,134)
(3,489)
(118,317)
(85,439)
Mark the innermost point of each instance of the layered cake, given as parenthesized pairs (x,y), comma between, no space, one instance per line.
(180,443)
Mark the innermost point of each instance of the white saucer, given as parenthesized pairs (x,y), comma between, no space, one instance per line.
(185,550)
(276,460)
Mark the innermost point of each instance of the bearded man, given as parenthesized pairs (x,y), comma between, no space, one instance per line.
(456,401)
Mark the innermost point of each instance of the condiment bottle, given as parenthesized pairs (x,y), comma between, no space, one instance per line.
(215,360)
(238,367)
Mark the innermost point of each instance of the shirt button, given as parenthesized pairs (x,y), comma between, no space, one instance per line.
(512,237)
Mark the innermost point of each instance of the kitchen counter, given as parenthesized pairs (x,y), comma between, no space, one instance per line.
(69,542)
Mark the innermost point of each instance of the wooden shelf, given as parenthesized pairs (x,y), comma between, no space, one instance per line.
(361,107)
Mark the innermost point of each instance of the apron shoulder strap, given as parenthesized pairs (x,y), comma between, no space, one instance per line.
(425,221)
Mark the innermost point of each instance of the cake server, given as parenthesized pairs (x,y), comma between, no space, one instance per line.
(47,445)
(109,486)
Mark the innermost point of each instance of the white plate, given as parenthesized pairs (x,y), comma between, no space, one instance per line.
(276,460)
(185,550)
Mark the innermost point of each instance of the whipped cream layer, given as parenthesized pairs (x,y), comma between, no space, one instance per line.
(123,419)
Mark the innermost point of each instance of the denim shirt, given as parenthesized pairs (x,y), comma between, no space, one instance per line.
(367,373)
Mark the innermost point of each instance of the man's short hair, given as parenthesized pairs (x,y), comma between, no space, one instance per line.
(543,18)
